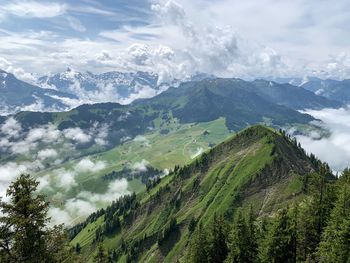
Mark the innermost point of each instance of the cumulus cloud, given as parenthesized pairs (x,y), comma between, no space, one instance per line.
(72,212)
(11,170)
(140,166)
(337,66)
(86,203)
(8,172)
(47,153)
(200,47)
(334,149)
(77,134)
(183,37)
(100,134)
(177,49)
(47,134)
(11,128)
(14,140)
(17,71)
(86,165)
(141,138)
(64,178)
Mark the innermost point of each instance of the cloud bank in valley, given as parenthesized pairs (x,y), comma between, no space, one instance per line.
(334,149)
(76,209)
(15,140)
(45,146)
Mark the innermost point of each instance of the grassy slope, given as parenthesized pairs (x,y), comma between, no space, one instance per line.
(257,167)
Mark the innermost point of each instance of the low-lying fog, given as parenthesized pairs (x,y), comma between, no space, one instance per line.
(334,149)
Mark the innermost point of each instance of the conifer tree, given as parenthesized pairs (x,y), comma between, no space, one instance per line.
(199,250)
(314,214)
(252,236)
(279,244)
(218,244)
(24,235)
(239,241)
(77,248)
(335,244)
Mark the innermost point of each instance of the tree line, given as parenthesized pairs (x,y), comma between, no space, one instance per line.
(314,230)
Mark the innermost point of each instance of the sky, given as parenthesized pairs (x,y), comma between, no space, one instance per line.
(229,38)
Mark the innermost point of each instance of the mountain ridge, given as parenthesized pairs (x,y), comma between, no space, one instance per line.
(258,167)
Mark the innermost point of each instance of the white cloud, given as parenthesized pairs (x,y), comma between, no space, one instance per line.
(17,71)
(64,178)
(334,149)
(172,12)
(11,128)
(143,140)
(76,209)
(115,190)
(38,134)
(76,24)
(221,37)
(101,134)
(16,141)
(11,170)
(73,211)
(140,166)
(44,183)
(59,216)
(23,147)
(86,165)
(34,9)
(47,153)
(77,135)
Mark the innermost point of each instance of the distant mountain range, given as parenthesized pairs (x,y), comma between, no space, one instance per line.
(338,90)
(17,95)
(66,90)
(69,89)
(239,102)
(111,86)
(331,89)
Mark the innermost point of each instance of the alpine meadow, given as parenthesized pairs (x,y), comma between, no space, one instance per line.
(150,131)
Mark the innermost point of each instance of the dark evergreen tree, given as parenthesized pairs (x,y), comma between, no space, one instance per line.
(199,247)
(24,234)
(77,248)
(314,214)
(192,225)
(335,244)
(239,241)
(279,244)
(252,236)
(218,240)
